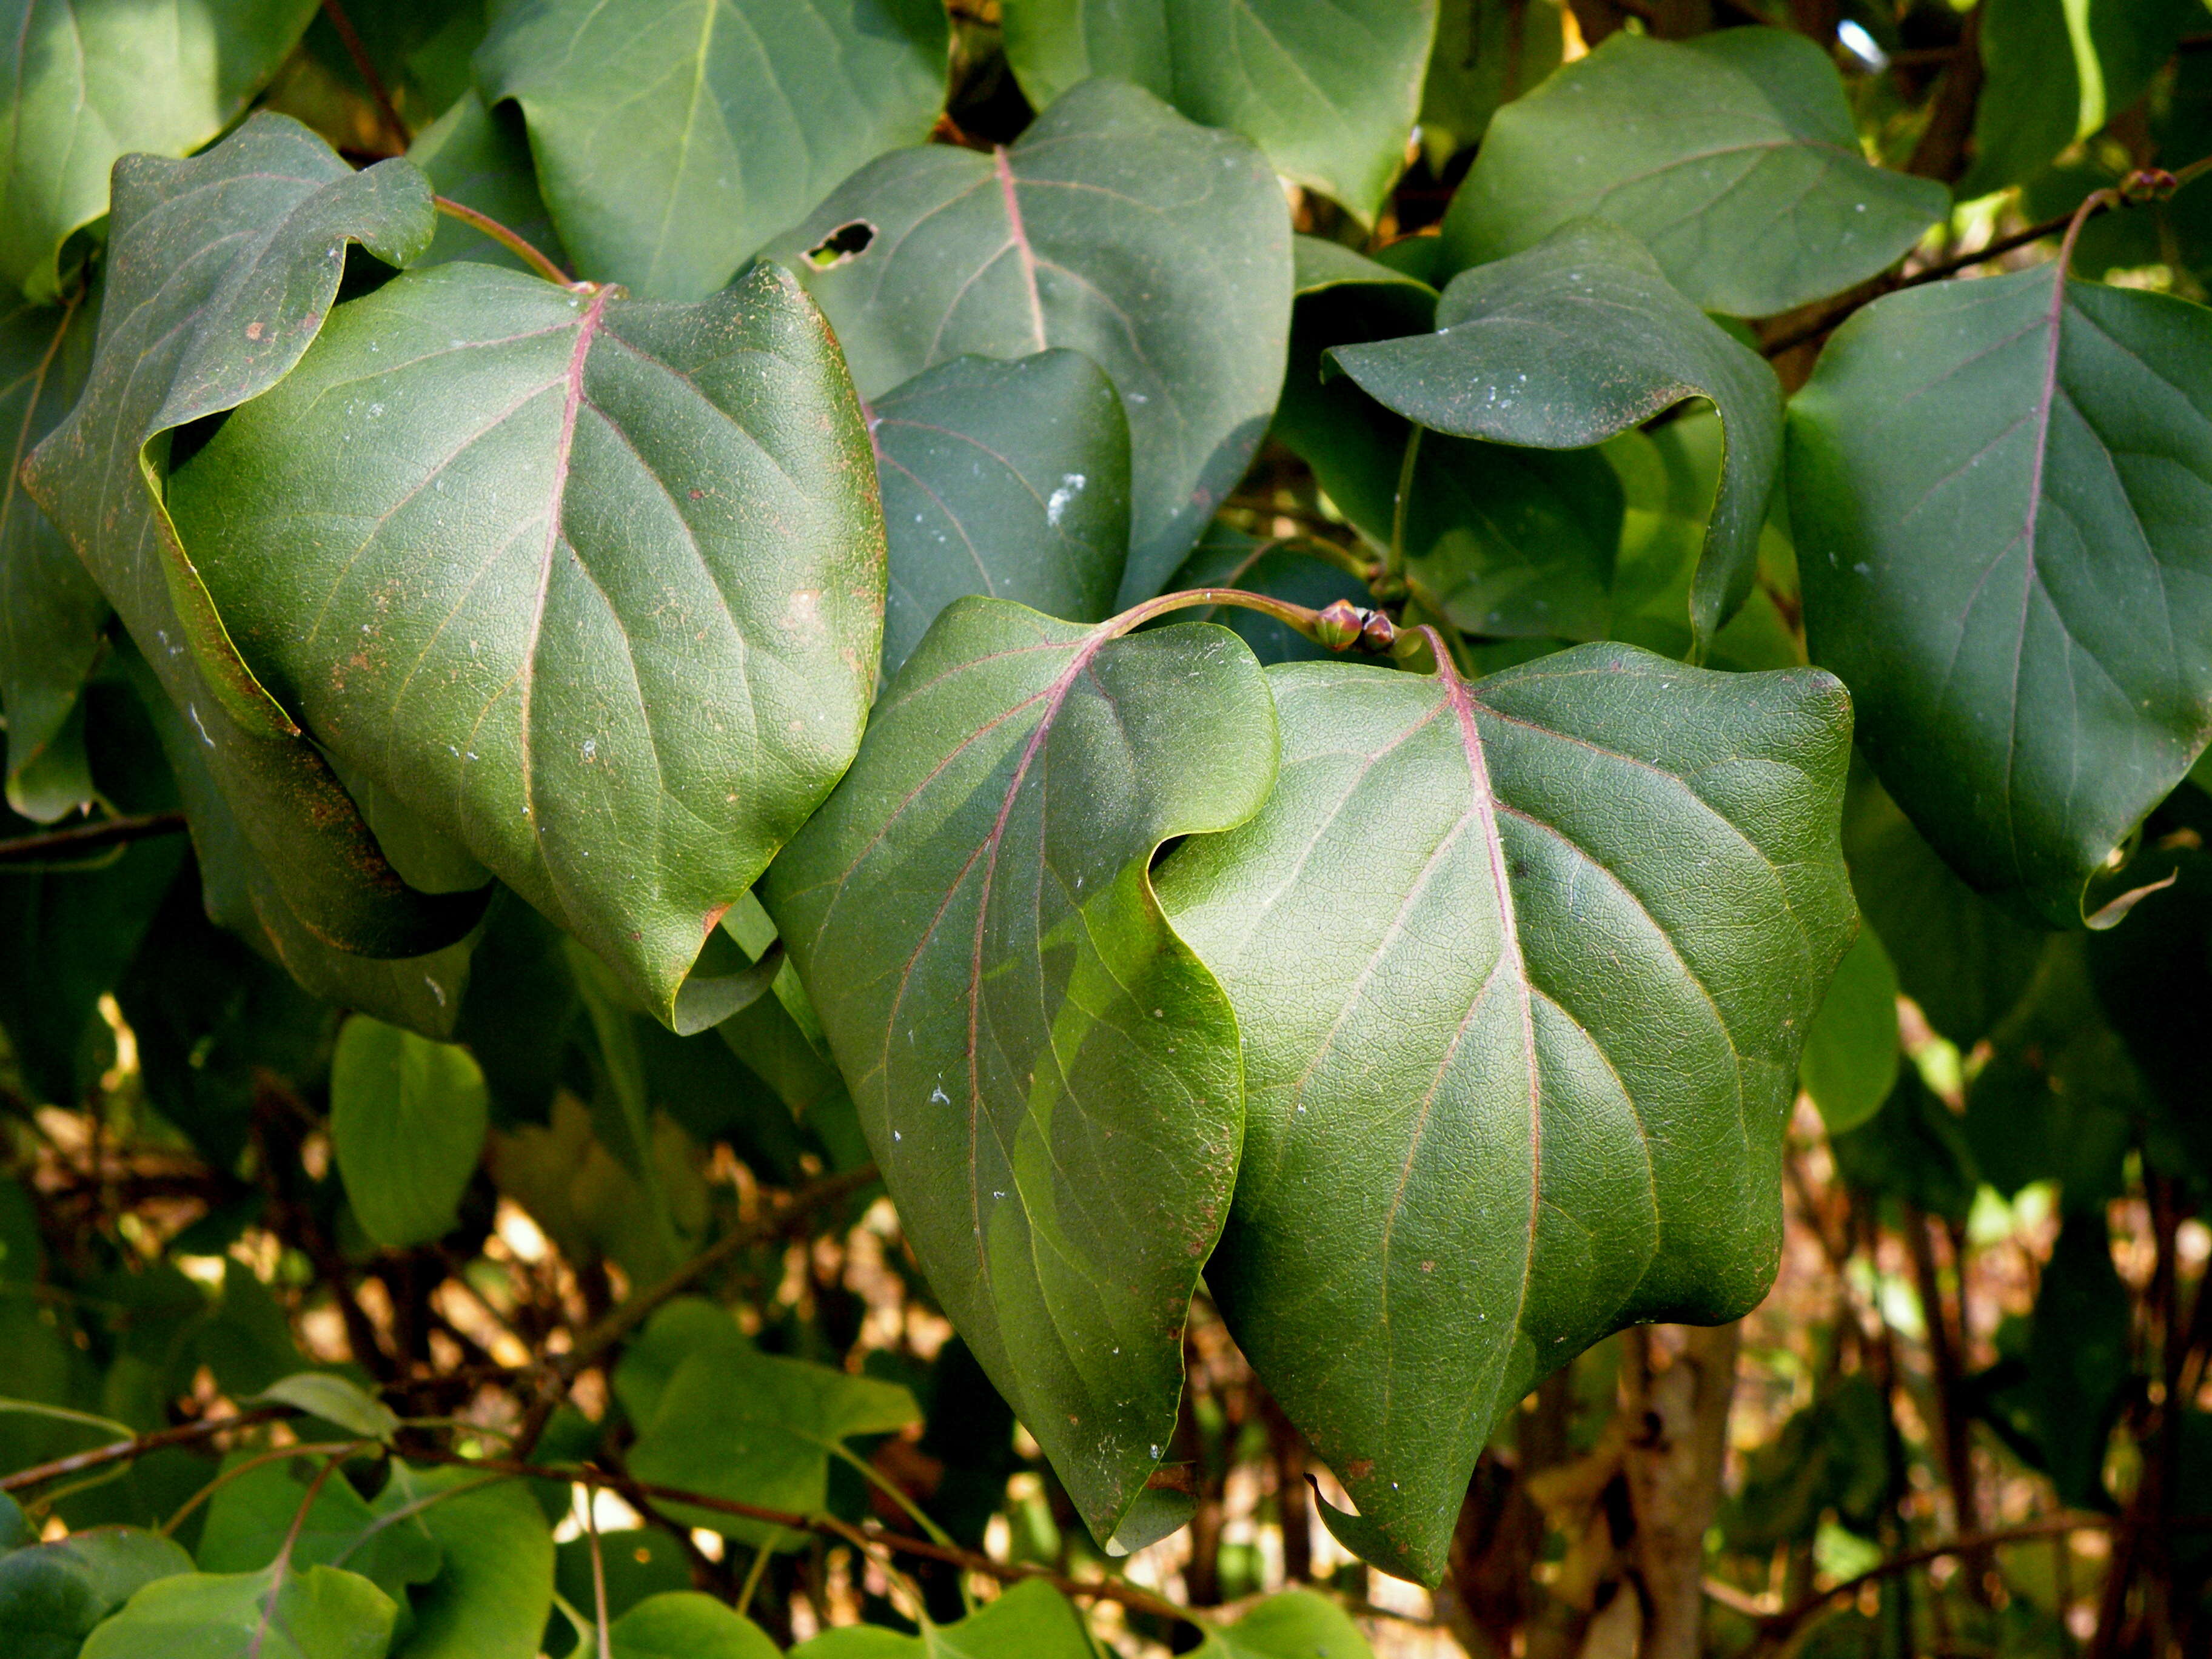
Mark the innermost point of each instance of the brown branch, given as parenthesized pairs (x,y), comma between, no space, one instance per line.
(81,838)
(117,1451)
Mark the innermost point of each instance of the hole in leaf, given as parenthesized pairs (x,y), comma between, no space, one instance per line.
(842,245)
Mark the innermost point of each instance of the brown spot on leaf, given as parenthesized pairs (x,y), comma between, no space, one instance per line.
(1359,1469)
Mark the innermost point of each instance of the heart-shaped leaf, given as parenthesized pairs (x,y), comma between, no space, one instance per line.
(1522,968)
(1048,1076)
(1578,338)
(2001,492)
(323,1613)
(672,141)
(1158,249)
(89,81)
(262,1505)
(408,1118)
(1009,479)
(593,584)
(52,612)
(1328,92)
(220,270)
(1732,156)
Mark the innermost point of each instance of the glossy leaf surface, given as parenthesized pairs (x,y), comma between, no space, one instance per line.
(1522,969)
(1732,157)
(322,1613)
(1329,92)
(220,271)
(1047,1075)
(591,584)
(672,141)
(1571,342)
(89,81)
(1007,479)
(2001,492)
(1158,249)
(407,1125)
(686,1624)
(52,1594)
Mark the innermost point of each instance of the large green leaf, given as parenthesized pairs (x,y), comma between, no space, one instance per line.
(408,1118)
(52,1594)
(253,1514)
(1048,1076)
(1010,479)
(1522,969)
(2001,492)
(673,137)
(1506,541)
(732,1422)
(1295,1624)
(1158,249)
(323,1613)
(593,584)
(685,1625)
(52,612)
(2057,70)
(491,1599)
(1733,156)
(1029,1620)
(1329,92)
(87,81)
(1573,341)
(220,271)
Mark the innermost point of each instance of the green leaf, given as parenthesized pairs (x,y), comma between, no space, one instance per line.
(2151,976)
(335,1401)
(685,1625)
(480,158)
(1488,53)
(672,141)
(88,83)
(1010,479)
(1329,92)
(220,270)
(1158,249)
(52,1594)
(1295,1624)
(1732,156)
(1850,1054)
(1999,493)
(51,612)
(1047,1075)
(250,1517)
(732,1422)
(322,1613)
(1573,341)
(642,567)
(2057,70)
(491,1601)
(1029,1620)
(1522,968)
(1914,1148)
(2077,1358)
(635,1563)
(408,1118)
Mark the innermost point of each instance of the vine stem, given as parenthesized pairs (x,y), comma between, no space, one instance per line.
(514,243)
(81,838)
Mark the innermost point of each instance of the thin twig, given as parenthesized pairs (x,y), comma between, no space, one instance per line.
(81,838)
(1790,1618)
(513,242)
(120,1450)
(366,67)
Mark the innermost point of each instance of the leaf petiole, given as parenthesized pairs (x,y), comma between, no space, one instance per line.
(514,244)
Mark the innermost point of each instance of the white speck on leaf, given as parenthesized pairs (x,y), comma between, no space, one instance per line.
(1055,506)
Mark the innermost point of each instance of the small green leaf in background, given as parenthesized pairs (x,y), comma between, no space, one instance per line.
(492,1597)
(2078,1361)
(1571,342)
(52,1594)
(643,559)
(1009,479)
(1048,1076)
(1476,1141)
(1029,1620)
(673,137)
(1850,1056)
(254,1512)
(332,1398)
(685,1625)
(92,80)
(1295,1624)
(1159,249)
(1329,92)
(323,1613)
(408,1118)
(52,612)
(2057,70)
(1914,1148)
(730,1421)
(1488,53)
(2001,492)
(1732,156)
(480,158)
